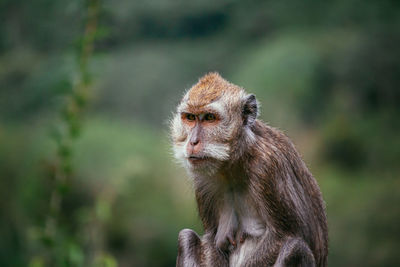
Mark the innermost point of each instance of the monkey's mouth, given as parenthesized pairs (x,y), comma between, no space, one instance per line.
(197,159)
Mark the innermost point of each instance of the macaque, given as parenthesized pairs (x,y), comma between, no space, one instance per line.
(258,203)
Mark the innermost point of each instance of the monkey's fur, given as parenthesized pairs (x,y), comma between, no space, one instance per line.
(258,202)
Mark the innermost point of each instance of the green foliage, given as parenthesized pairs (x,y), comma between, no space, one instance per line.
(358,213)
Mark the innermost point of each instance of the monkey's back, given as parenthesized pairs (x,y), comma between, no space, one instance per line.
(291,195)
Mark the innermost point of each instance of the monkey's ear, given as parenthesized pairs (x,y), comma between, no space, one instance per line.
(250,110)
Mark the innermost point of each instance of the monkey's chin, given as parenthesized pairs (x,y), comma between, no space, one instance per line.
(202,165)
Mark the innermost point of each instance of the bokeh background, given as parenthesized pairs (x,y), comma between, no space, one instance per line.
(87,88)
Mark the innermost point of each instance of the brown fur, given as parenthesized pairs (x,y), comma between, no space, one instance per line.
(260,206)
(209,88)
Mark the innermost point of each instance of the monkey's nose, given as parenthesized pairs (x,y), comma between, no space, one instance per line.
(194,146)
(194,142)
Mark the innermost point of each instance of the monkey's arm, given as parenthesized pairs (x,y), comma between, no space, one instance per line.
(189,249)
(227,226)
(293,252)
(194,251)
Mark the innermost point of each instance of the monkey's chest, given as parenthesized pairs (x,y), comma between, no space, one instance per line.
(238,221)
(249,221)
(252,226)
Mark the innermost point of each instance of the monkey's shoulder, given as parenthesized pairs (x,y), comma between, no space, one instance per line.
(272,139)
(273,153)
(263,129)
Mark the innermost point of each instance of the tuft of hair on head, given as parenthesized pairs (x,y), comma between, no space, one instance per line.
(210,77)
(208,89)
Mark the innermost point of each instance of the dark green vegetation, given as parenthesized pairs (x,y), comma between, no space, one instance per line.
(328,74)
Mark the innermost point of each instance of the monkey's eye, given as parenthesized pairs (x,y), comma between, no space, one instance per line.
(190,117)
(209,117)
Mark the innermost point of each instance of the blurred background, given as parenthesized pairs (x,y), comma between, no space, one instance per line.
(87,88)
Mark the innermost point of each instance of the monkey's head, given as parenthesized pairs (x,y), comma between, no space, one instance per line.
(212,124)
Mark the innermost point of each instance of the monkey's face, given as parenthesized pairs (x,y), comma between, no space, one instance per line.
(208,124)
(202,136)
